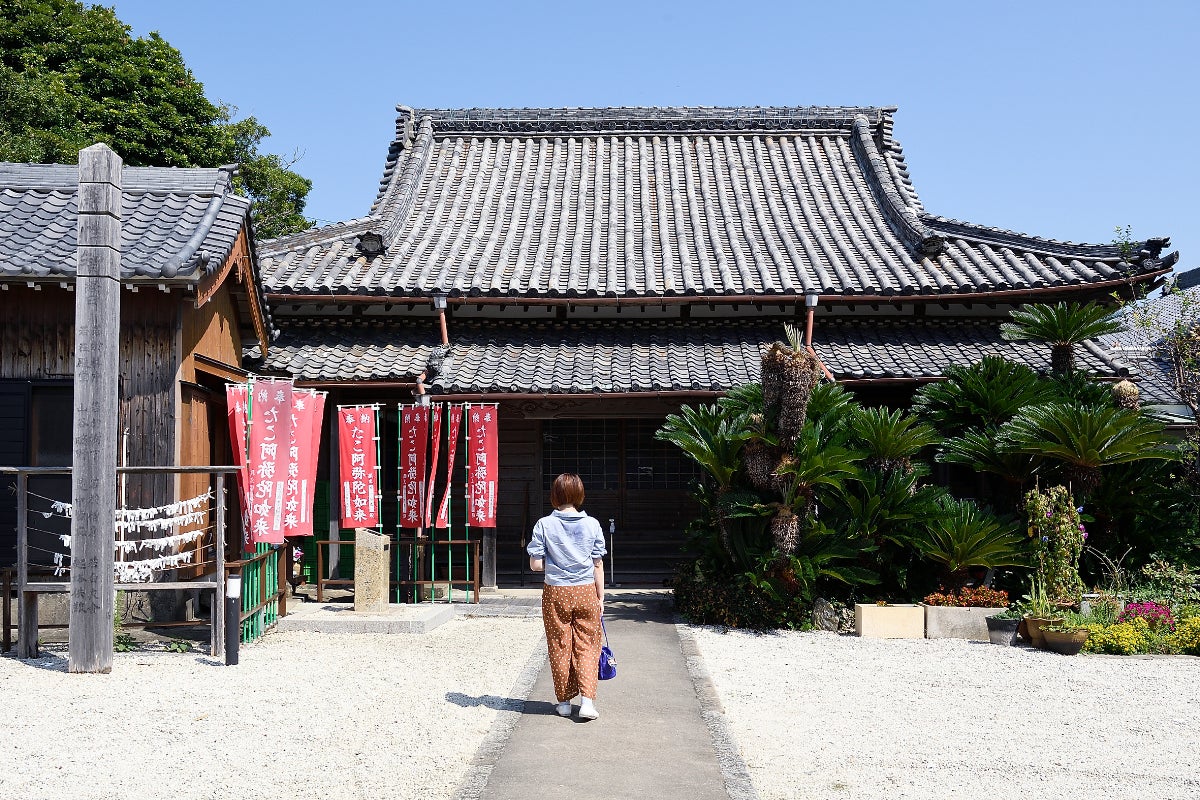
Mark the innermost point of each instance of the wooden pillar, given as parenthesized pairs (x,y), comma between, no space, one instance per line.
(94,450)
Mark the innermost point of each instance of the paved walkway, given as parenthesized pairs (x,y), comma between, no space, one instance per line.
(651,741)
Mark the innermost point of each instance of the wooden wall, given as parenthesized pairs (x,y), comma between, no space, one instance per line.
(37,342)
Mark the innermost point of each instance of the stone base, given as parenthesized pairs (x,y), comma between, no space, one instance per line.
(945,622)
(899,621)
(371,556)
(342,618)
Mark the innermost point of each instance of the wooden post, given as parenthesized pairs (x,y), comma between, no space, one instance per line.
(94,450)
(27,612)
(6,636)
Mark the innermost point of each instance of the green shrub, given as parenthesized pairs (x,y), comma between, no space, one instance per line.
(734,601)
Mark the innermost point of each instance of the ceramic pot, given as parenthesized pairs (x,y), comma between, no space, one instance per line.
(1035,625)
(1068,643)
(1002,631)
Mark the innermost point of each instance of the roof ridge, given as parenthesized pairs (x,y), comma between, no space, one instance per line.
(899,213)
(29,176)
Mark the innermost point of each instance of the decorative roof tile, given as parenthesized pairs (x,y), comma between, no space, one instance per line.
(650,202)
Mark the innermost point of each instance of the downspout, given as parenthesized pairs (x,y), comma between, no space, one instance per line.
(810,303)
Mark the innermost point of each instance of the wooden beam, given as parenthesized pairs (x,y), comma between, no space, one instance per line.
(94,444)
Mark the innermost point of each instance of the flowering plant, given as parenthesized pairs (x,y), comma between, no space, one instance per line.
(1058,539)
(980,597)
(1156,616)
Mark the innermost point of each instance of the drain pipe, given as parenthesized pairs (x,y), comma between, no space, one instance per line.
(810,305)
(439,302)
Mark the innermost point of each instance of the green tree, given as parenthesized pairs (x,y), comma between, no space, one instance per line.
(72,75)
(964,536)
(1063,326)
(987,393)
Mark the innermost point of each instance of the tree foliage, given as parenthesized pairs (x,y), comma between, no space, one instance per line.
(72,75)
(1062,326)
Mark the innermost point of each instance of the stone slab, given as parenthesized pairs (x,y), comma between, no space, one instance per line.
(372,552)
(342,618)
(947,622)
(895,621)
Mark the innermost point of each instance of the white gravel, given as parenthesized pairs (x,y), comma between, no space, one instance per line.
(817,715)
(304,715)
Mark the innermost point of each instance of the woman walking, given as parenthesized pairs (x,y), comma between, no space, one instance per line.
(569,546)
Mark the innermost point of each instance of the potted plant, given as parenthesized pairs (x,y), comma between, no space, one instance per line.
(1040,611)
(1002,627)
(1066,636)
(962,614)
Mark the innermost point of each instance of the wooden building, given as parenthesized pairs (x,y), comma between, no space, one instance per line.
(592,269)
(191,302)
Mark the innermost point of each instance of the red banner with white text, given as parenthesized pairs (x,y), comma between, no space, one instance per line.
(435,438)
(482,465)
(414,436)
(358,466)
(318,421)
(269,457)
(235,404)
(297,520)
(453,428)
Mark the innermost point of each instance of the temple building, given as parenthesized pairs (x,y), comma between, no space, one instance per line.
(590,270)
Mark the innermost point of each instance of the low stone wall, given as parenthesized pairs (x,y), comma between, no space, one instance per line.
(945,622)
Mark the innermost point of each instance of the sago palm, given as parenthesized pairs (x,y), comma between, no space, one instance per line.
(962,536)
(986,393)
(891,438)
(1086,439)
(711,436)
(1062,326)
(984,450)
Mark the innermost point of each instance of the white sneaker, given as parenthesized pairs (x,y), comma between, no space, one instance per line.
(563,709)
(587,710)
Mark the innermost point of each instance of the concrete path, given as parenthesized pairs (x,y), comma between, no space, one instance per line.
(651,741)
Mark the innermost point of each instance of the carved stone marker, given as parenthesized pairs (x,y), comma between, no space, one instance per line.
(372,554)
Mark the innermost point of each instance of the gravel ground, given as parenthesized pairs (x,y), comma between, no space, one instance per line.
(303,715)
(817,715)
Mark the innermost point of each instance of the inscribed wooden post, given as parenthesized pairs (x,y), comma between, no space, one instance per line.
(94,443)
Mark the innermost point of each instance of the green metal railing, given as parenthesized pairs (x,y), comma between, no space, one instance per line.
(264,600)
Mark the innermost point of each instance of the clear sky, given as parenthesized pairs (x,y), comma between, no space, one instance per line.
(1062,119)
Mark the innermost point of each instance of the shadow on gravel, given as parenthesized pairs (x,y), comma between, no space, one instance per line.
(496,703)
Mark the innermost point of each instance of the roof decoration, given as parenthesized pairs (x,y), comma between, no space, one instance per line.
(654,202)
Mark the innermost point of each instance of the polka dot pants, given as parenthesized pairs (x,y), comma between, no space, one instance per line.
(572,618)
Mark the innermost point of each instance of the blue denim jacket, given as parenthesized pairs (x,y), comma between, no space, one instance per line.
(568,541)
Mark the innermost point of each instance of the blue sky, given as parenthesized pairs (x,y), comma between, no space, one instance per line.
(1063,119)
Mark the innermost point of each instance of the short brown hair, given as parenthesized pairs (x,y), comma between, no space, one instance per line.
(567,490)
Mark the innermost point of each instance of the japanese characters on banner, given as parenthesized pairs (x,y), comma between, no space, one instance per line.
(297,520)
(358,466)
(318,417)
(268,457)
(235,401)
(435,437)
(453,427)
(482,465)
(414,435)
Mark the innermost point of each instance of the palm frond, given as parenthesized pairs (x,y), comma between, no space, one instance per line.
(1061,323)
(892,436)
(964,536)
(711,436)
(986,393)
(1087,436)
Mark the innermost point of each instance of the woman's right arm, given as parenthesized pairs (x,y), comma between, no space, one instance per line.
(537,549)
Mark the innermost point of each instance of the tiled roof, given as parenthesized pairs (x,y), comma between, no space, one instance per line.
(1147,322)
(680,355)
(177,224)
(667,201)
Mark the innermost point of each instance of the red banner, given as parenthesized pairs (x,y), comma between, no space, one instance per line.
(482,465)
(318,420)
(414,435)
(268,457)
(358,467)
(297,520)
(453,426)
(235,402)
(435,436)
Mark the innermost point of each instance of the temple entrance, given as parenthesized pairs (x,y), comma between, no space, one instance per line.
(634,483)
